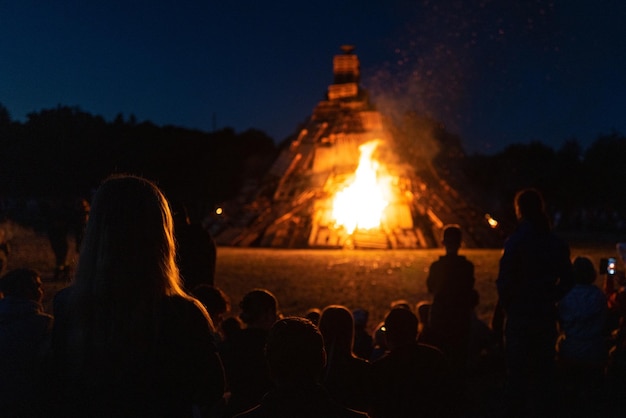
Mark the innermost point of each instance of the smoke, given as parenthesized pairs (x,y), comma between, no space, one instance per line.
(447,51)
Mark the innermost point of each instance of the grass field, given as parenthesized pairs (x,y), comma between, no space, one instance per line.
(302,279)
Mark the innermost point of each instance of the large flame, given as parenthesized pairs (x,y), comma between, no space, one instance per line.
(361,204)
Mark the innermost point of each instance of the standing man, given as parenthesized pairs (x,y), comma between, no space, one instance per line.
(451,282)
(535,273)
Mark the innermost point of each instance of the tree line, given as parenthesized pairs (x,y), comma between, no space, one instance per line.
(580,185)
(66,152)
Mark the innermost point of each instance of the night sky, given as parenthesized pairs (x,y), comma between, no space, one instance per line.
(494,72)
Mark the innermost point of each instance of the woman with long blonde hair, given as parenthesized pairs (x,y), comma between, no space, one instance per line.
(128,341)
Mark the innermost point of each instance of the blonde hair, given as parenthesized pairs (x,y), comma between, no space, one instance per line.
(126,267)
(129,243)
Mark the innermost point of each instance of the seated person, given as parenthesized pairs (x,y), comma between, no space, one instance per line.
(411,379)
(296,358)
(24,334)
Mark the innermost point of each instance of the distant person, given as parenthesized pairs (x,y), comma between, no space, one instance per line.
(57,214)
(78,221)
(346,376)
(535,273)
(127,340)
(363,341)
(451,282)
(582,346)
(196,251)
(313,315)
(296,358)
(65,219)
(247,374)
(24,334)
(229,329)
(411,379)
(5,250)
(216,302)
(400,303)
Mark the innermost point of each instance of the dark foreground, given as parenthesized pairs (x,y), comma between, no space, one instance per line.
(302,279)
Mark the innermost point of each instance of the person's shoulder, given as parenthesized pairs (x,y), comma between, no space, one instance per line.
(463,260)
(182,302)
(184,307)
(256,412)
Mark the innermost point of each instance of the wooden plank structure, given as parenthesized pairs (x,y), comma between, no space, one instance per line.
(296,213)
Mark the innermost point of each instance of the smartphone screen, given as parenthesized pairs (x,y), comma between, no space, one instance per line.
(611,266)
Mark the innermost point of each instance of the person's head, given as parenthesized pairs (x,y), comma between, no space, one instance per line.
(337,327)
(294,351)
(400,303)
(400,327)
(22,283)
(259,309)
(313,315)
(452,237)
(128,249)
(529,206)
(216,302)
(584,271)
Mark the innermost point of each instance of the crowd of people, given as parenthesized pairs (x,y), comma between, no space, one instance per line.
(131,337)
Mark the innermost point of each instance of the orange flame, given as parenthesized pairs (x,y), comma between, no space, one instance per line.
(361,204)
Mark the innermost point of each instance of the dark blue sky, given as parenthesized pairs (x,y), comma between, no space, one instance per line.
(494,72)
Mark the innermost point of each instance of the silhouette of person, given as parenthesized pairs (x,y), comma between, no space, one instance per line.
(216,302)
(24,334)
(535,273)
(296,357)
(57,216)
(363,341)
(5,250)
(313,315)
(247,375)
(127,340)
(411,378)
(65,218)
(196,251)
(582,346)
(451,282)
(346,376)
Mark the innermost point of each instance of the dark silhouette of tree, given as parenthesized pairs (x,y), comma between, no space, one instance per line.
(603,162)
(66,152)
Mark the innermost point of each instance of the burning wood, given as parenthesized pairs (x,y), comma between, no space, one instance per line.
(331,188)
(361,204)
